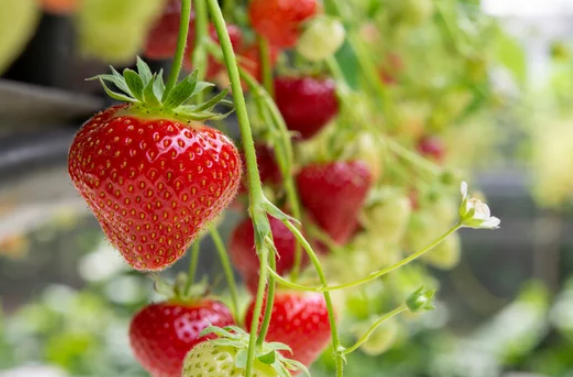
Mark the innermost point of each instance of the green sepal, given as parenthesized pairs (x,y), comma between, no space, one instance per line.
(134,83)
(268,358)
(241,358)
(115,95)
(159,86)
(149,96)
(181,93)
(144,72)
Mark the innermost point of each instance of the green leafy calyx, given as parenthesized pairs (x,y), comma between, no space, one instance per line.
(147,92)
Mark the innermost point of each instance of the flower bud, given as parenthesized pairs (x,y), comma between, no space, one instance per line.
(421,300)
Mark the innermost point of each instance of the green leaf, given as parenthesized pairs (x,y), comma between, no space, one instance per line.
(114,95)
(208,105)
(144,71)
(511,55)
(134,83)
(241,359)
(268,358)
(182,92)
(149,94)
(159,86)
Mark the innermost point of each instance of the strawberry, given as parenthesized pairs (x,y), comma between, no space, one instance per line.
(391,69)
(226,356)
(250,60)
(161,334)
(279,21)
(153,175)
(162,39)
(321,39)
(243,253)
(431,147)
(333,194)
(306,103)
(269,172)
(299,320)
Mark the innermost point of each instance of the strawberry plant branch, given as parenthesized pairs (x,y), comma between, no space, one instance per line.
(270,294)
(224,257)
(338,349)
(266,67)
(194,259)
(374,326)
(199,57)
(181,45)
(259,205)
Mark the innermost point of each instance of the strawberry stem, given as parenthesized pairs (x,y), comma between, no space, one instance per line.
(230,276)
(193,262)
(374,326)
(266,68)
(181,45)
(199,57)
(270,295)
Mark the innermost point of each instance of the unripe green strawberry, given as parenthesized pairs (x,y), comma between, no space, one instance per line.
(381,340)
(18,20)
(365,148)
(446,255)
(379,250)
(411,12)
(321,39)
(115,30)
(388,216)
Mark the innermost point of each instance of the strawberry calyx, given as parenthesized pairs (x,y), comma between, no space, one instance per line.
(178,291)
(147,94)
(268,353)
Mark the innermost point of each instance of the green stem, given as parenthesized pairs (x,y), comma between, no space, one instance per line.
(412,157)
(224,257)
(338,349)
(257,200)
(266,66)
(181,45)
(374,326)
(199,57)
(270,295)
(193,262)
(373,276)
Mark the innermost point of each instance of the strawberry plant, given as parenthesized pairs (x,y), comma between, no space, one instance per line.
(345,171)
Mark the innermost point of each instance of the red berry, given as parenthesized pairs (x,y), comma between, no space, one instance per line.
(162,334)
(432,147)
(279,21)
(333,194)
(152,183)
(299,321)
(306,103)
(162,39)
(243,252)
(269,171)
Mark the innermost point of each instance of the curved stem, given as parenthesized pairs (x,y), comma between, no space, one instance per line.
(287,283)
(194,260)
(224,257)
(181,45)
(199,57)
(374,326)
(338,349)
(270,295)
(267,69)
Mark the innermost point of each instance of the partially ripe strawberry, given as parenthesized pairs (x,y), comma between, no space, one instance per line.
(162,334)
(152,176)
(244,255)
(162,39)
(391,69)
(299,320)
(250,60)
(333,194)
(321,39)
(307,104)
(432,147)
(279,21)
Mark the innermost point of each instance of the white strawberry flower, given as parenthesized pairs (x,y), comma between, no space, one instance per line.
(474,213)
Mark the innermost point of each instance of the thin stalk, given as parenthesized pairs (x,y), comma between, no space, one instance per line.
(199,57)
(224,257)
(270,296)
(338,349)
(193,262)
(266,66)
(374,326)
(181,44)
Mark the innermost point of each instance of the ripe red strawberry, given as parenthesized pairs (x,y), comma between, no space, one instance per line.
(431,147)
(161,334)
(152,177)
(269,171)
(214,67)
(299,320)
(162,39)
(306,103)
(333,194)
(279,21)
(243,253)
(250,60)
